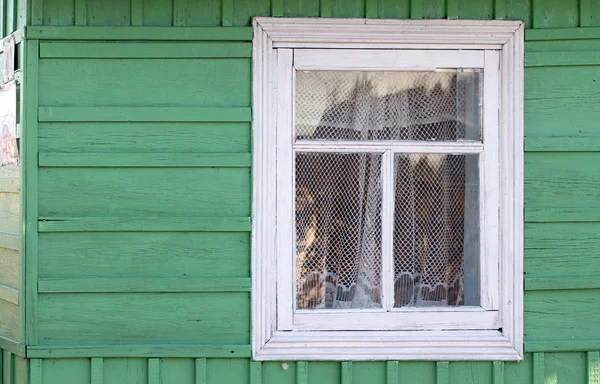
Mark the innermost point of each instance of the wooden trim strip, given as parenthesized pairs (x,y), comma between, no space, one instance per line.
(562,215)
(346,372)
(538,368)
(140,33)
(12,346)
(500,9)
(143,285)
(10,241)
(498,372)
(97,369)
(255,372)
(559,59)
(137,12)
(146,160)
(562,144)
(392,372)
(562,34)
(302,372)
(442,372)
(546,283)
(145,224)
(144,114)
(277,8)
(9,294)
(200,368)
(452,9)
(80,12)
(10,186)
(187,50)
(585,13)
(19,36)
(136,350)
(154,371)
(371,9)
(179,10)
(35,371)
(416,9)
(561,345)
(593,367)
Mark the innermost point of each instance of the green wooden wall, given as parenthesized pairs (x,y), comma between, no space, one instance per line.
(138,170)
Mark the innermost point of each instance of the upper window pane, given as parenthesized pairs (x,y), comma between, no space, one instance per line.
(442,105)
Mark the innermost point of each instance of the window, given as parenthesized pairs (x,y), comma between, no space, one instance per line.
(387,190)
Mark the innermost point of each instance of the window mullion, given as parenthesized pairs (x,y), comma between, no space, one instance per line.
(387,230)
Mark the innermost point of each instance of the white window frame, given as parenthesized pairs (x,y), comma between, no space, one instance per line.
(493,331)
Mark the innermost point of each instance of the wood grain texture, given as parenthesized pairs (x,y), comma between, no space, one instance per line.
(145,224)
(35,371)
(391,375)
(227,13)
(141,33)
(538,368)
(9,241)
(137,12)
(256,372)
(562,282)
(143,114)
(442,373)
(80,12)
(97,370)
(200,371)
(179,12)
(154,371)
(593,367)
(302,372)
(498,372)
(145,318)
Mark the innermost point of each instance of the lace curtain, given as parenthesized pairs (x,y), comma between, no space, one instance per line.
(338,195)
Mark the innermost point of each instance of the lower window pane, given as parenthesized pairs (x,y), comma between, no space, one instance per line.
(436,230)
(338,230)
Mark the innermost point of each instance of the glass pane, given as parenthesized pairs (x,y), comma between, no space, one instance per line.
(338,230)
(436,230)
(424,106)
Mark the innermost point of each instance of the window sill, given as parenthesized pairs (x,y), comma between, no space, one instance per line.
(400,345)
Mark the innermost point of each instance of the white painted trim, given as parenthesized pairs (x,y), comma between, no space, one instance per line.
(394,146)
(505,36)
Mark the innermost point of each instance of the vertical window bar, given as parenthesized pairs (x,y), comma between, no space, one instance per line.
(387,230)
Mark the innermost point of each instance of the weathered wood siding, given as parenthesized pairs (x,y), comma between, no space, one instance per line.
(141,268)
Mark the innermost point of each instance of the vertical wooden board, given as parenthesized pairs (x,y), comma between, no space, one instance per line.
(568,316)
(7,361)
(129,254)
(21,370)
(433,9)
(10,267)
(471,372)
(145,137)
(61,371)
(109,12)
(424,370)
(128,370)
(555,13)
(276,372)
(518,372)
(245,10)
(347,8)
(593,367)
(84,82)
(565,368)
(372,372)
(563,179)
(301,8)
(321,372)
(177,371)
(229,371)
(81,12)
(550,248)
(158,13)
(394,9)
(203,13)
(475,9)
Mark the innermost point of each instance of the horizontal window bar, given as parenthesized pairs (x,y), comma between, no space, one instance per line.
(394,146)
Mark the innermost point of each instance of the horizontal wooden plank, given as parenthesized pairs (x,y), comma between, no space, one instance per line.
(140,33)
(562,34)
(10,186)
(12,346)
(136,350)
(140,285)
(10,267)
(562,144)
(10,213)
(144,114)
(568,314)
(562,282)
(145,224)
(562,45)
(19,36)
(10,320)
(561,345)
(9,294)
(142,254)
(166,83)
(128,50)
(145,137)
(573,248)
(141,192)
(562,214)
(225,160)
(145,318)
(10,241)
(557,59)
